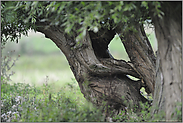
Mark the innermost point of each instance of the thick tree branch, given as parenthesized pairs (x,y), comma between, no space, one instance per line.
(141,55)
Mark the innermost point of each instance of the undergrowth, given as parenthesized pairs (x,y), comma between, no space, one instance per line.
(22,102)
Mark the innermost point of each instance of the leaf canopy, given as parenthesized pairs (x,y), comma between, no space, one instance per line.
(72,16)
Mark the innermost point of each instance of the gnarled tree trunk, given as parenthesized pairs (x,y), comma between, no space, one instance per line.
(141,55)
(168,30)
(102,79)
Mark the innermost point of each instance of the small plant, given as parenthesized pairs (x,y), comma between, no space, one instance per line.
(6,65)
(177,115)
(12,97)
(134,115)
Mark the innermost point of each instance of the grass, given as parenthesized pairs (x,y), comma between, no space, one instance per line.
(35,70)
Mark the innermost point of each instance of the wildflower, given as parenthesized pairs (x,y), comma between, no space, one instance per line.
(17,99)
(3,115)
(9,112)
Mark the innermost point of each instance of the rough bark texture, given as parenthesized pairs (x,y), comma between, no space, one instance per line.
(141,55)
(168,90)
(100,77)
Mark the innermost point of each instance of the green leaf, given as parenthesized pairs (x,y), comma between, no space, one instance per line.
(83,3)
(76,9)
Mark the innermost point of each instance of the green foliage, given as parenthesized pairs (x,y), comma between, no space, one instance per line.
(25,103)
(134,115)
(177,114)
(12,25)
(145,114)
(32,104)
(142,115)
(73,17)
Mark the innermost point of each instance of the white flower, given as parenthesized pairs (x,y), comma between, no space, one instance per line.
(14,106)
(9,112)
(15,113)
(3,115)
(17,98)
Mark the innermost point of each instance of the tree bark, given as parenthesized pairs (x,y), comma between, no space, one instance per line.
(102,79)
(141,55)
(168,89)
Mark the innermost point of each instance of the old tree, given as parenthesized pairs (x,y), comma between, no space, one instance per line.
(83,31)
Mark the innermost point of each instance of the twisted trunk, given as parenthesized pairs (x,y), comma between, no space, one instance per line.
(102,79)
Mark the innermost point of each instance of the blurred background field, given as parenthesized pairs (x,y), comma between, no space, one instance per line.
(40,59)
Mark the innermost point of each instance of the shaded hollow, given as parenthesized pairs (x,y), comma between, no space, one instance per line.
(100,42)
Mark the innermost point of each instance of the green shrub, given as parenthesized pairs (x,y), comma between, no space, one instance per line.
(25,103)
(134,115)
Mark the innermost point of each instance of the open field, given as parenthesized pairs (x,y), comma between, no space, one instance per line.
(38,69)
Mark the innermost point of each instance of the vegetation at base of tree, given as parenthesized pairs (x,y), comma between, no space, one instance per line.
(21,102)
(24,103)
